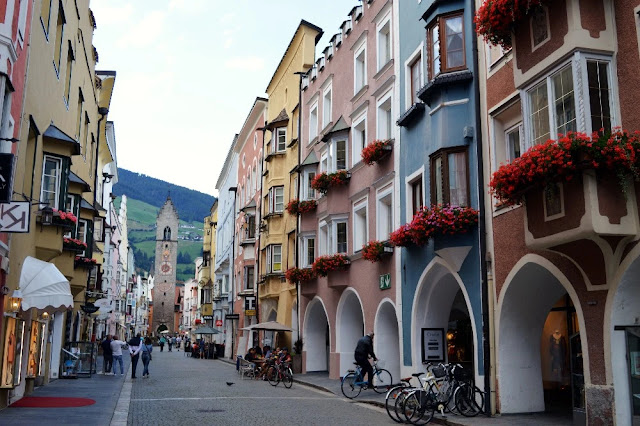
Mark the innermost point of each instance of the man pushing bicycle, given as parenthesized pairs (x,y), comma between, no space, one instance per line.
(364,349)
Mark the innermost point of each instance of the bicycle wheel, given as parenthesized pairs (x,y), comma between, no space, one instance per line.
(413,407)
(469,400)
(287,379)
(272,376)
(349,386)
(382,381)
(390,402)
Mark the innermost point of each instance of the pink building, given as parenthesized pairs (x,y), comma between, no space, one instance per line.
(346,104)
(248,149)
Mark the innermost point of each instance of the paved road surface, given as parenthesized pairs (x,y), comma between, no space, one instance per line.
(187,391)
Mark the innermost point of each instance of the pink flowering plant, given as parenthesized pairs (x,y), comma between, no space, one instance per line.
(616,153)
(376,151)
(300,207)
(73,244)
(496,19)
(435,221)
(373,251)
(324,181)
(325,264)
(85,261)
(294,275)
(64,218)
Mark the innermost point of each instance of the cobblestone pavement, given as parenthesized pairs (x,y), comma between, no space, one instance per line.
(183,391)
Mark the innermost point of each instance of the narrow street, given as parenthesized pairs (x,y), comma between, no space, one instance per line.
(182,390)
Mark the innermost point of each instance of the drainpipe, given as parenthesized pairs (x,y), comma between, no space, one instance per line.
(486,335)
(298,217)
(259,207)
(232,266)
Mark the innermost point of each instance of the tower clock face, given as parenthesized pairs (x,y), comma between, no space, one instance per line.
(166,268)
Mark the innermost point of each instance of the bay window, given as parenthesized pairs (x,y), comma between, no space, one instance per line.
(360,68)
(326,107)
(313,122)
(359,137)
(308,193)
(280,143)
(249,277)
(450,177)
(276,199)
(446,44)
(332,236)
(384,213)
(360,224)
(308,252)
(55,173)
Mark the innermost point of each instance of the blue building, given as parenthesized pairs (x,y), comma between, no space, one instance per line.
(438,164)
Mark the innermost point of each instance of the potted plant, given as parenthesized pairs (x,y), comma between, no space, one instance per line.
(84,262)
(376,151)
(294,275)
(374,250)
(496,19)
(296,206)
(296,358)
(73,244)
(324,181)
(325,264)
(65,219)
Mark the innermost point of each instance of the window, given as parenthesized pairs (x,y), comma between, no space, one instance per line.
(79,116)
(449,177)
(251,226)
(360,68)
(92,152)
(274,258)
(249,277)
(276,199)
(308,192)
(67,87)
(85,137)
(385,120)
(359,137)
(83,228)
(384,213)
(360,224)
(415,78)
(57,54)
(45,16)
(281,140)
(308,251)
(51,179)
(513,138)
(341,237)
(313,122)
(446,45)
(384,44)
(98,229)
(551,104)
(332,236)
(22,20)
(417,199)
(324,162)
(326,108)
(341,155)
(539,26)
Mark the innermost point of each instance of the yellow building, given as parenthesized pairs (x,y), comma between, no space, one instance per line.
(277,298)
(62,141)
(209,250)
(203,274)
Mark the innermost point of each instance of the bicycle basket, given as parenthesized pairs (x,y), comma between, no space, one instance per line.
(462,375)
(439,372)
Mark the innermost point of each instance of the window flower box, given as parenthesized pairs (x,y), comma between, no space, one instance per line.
(376,151)
(325,264)
(72,244)
(295,275)
(373,251)
(300,207)
(324,181)
(496,19)
(440,220)
(84,262)
(64,219)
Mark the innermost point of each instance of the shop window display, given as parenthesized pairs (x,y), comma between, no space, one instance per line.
(33,362)
(12,360)
(633,355)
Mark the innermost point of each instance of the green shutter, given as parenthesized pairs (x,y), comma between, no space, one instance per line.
(64,183)
(89,239)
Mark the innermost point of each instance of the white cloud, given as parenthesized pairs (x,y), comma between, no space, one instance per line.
(245,63)
(111,15)
(145,32)
(228,42)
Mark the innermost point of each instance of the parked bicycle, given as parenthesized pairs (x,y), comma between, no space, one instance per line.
(395,392)
(353,382)
(280,372)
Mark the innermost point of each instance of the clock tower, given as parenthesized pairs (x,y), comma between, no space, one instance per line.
(164,291)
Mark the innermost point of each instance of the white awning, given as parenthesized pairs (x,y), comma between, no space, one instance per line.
(43,286)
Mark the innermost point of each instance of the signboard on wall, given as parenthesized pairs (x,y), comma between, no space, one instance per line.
(433,344)
(14,216)
(218,323)
(385,281)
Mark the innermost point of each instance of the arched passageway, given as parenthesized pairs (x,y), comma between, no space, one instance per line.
(540,365)
(387,339)
(316,335)
(349,328)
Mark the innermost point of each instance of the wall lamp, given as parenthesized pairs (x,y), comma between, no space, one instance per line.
(15,301)
(47,216)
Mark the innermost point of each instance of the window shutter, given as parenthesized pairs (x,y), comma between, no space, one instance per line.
(89,238)
(64,183)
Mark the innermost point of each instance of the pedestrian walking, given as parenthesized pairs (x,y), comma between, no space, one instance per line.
(170,342)
(116,351)
(178,342)
(147,348)
(135,346)
(162,342)
(107,355)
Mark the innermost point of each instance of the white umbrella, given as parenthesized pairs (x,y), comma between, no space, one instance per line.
(164,331)
(268,326)
(42,286)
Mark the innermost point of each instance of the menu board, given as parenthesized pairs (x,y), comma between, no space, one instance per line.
(433,345)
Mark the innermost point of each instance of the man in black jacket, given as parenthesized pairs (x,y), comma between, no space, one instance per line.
(107,355)
(364,349)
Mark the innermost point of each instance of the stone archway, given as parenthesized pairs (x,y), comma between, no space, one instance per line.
(442,302)
(524,312)
(161,328)
(316,337)
(349,328)
(387,339)
(625,344)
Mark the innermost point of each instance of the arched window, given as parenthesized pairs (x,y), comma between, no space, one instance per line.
(167,234)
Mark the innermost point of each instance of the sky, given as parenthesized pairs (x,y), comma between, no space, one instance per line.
(188,72)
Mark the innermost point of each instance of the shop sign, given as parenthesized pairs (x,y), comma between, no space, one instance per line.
(232,316)
(250,312)
(385,281)
(432,344)
(207,317)
(218,323)
(14,216)
(89,308)
(250,304)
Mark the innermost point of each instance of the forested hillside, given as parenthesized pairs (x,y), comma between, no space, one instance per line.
(192,205)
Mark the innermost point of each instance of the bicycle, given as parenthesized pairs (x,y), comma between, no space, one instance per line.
(353,381)
(280,372)
(398,391)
